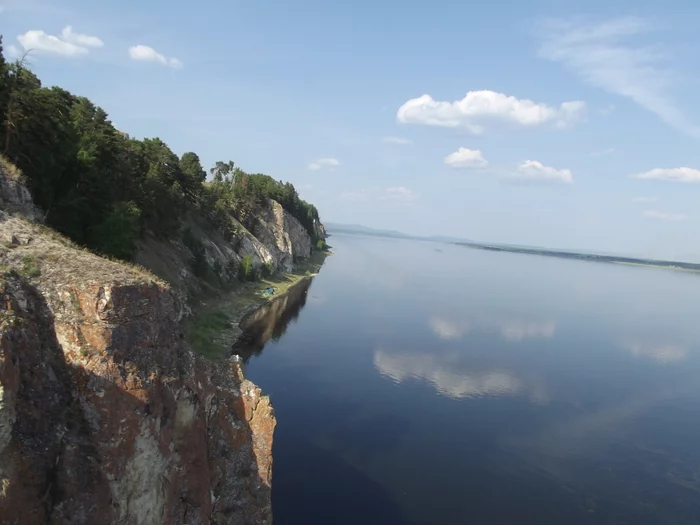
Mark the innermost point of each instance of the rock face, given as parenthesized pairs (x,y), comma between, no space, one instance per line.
(14,196)
(282,234)
(277,239)
(105,415)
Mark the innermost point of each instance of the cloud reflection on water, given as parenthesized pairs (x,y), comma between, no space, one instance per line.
(453,378)
(513,330)
(661,353)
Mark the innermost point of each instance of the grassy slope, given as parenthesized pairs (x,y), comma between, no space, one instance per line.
(214,325)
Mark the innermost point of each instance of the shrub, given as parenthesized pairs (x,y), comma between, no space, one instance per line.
(321,245)
(247,270)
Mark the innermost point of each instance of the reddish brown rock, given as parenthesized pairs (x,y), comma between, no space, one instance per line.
(107,417)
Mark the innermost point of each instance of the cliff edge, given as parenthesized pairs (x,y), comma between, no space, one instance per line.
(106,415)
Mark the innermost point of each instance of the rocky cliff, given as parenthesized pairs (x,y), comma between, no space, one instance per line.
(277,239)
(106,415)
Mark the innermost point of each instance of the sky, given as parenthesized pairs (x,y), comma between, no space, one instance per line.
(534,123)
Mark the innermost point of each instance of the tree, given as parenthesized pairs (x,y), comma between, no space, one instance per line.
(222,170)
(193,175)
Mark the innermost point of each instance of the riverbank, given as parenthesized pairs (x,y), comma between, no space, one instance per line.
(214,325)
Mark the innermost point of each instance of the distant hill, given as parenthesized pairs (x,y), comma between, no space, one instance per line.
(366,230)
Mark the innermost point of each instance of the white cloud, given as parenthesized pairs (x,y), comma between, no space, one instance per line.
(466,158)
(672,174)
(396,140)
(79,39)
(479,108)
(69,44)
(148,54)
(664,216)
(645,200)
(534,171)
(603,57)
(394,193)
(319,164)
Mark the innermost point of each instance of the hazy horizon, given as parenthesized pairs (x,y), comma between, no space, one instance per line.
(534,125)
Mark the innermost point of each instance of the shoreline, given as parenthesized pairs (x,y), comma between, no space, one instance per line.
(215,324)
(599,258)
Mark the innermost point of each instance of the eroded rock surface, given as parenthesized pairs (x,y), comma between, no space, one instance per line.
(105,415)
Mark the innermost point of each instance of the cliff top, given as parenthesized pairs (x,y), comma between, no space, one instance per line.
(45,256)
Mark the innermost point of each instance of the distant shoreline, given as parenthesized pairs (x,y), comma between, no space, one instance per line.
(652,263)
(561,254)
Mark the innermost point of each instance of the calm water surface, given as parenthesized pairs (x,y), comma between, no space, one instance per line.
(419,383)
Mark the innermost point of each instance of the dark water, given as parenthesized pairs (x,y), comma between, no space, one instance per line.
(418,386)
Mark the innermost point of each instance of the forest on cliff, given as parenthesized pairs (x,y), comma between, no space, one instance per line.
(104,189)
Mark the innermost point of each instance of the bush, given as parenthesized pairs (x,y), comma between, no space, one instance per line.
(321,245)
(247,270)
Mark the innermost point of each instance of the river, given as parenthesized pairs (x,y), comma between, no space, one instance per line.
(425,383)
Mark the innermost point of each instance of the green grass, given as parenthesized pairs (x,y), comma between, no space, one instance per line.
(214,325)
(204,331)
(29,267)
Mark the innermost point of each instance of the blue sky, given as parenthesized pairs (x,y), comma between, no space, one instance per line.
(503,121)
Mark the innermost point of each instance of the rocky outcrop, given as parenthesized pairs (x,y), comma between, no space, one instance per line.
(277,240)
(14,195)
(282,234)
(320,230)
(106,416)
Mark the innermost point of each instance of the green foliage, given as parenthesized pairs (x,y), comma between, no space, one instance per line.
(117,234)
(321,245)
(103,189)
(247,270)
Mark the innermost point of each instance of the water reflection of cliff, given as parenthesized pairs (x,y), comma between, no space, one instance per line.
(271,321)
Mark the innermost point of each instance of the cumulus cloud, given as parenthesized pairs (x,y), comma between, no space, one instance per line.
(320,164)
(664,216)
(466,158)
(68,44)
(394,193)
(397,140)
(79,39)
(480,108)
(534,171)
(645,200)
(604,56)
(148,54)
(672,174)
